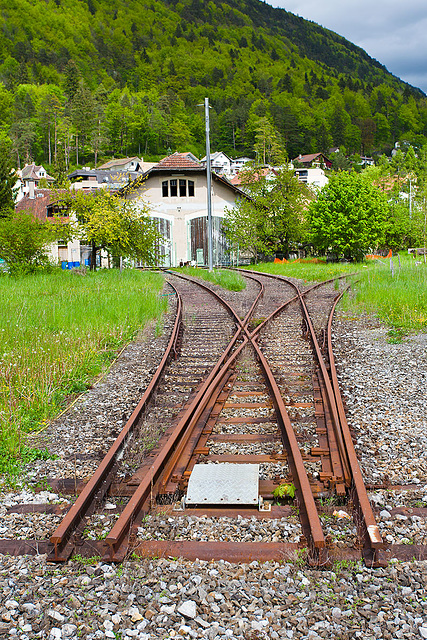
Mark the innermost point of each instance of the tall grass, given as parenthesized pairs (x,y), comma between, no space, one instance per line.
(397,297)
(230,280)
(317,270)
(57,332)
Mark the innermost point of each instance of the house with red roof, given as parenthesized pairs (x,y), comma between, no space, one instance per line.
(313,160)
(41,204)
(176,191)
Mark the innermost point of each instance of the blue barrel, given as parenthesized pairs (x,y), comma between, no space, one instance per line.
(87,262)
(76,264)
(64,264)
(69,265)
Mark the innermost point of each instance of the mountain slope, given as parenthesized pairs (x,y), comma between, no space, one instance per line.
(157,59)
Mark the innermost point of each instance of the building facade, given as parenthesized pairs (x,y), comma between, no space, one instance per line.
(176,192)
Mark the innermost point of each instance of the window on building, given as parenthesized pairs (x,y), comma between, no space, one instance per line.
(181,188)
(55,209)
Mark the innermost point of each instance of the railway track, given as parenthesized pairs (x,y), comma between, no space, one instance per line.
(249,402)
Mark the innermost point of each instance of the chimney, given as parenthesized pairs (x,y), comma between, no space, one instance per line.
(31,186)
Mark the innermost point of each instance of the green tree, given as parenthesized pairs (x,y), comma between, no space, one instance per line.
(7,180)
(349,217)
(82,113)
(24,240)
(403,229)
(411,162)
(340,162)
(269,220)
(106,221)
(268,146)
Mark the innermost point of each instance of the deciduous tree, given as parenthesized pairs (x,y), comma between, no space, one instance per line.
(24,240)
(270,219)
(349,217)
(106,221)
(7,180)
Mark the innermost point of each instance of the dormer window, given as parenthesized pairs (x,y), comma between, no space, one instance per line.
(181,188)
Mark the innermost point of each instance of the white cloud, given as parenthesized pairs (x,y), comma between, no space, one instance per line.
(391,31)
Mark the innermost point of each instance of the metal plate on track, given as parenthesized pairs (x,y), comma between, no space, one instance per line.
(223,483)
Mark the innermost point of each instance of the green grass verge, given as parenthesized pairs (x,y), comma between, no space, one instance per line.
(317,270)
(230,280)
(398,298)
(57,333)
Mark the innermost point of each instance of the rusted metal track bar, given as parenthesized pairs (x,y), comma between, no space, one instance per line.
(364,516)
(309,517)
(62,534)
(236,552)
(121,529)
(329,393)
(118,534)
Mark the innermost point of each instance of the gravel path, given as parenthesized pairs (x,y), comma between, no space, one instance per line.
(170,598)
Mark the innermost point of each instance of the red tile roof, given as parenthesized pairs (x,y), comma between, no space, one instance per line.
(179,161)
(310,157)
(38,205)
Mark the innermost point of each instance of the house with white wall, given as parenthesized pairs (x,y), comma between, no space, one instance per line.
(175,190)
(41,204)
(29,178)
(239,163)
(223,165)
(220,163)
(312,176)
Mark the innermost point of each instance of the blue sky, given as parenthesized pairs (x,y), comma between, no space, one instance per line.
(394,32)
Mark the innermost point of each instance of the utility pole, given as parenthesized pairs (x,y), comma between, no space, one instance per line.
(208,180)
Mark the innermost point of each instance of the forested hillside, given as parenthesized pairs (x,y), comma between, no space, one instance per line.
(85,79)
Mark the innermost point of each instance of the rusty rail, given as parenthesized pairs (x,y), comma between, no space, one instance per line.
(363,514)
(310,521)
(330,394)
(99,483)
(176,442)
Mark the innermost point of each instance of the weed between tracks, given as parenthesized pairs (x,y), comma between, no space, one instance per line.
(398,298)
(58,332)
(226,279)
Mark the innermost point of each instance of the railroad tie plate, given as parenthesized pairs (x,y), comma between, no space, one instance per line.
(223,483)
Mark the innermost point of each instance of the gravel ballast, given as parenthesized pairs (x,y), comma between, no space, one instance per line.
(384,387)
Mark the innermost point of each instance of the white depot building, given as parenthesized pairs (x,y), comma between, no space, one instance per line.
(175,190)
